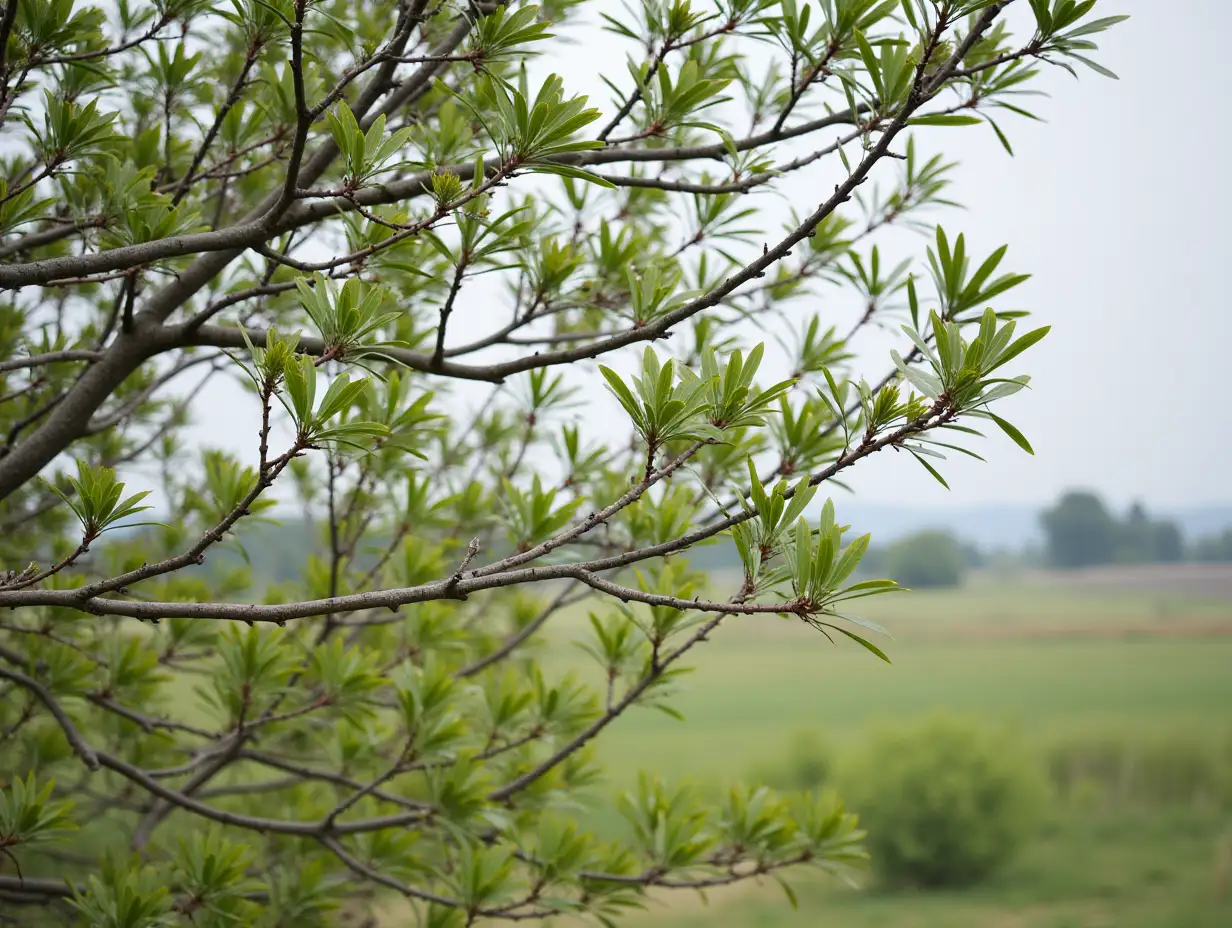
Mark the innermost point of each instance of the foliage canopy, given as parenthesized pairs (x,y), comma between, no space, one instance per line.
(326,198)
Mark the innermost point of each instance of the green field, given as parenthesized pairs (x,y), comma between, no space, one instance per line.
(1064,664)
(1051,663)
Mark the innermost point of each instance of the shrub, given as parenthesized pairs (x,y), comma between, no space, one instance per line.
(945,803)
(927,560)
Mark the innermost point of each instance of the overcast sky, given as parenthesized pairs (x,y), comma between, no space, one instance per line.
(1118,207)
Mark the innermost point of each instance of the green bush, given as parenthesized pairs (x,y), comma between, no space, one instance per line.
(946,802)
(926,559)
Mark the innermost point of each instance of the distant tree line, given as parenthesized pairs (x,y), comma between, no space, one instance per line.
(1080,531)
(1213,549)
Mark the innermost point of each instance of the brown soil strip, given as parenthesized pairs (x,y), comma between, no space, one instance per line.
(1216,629)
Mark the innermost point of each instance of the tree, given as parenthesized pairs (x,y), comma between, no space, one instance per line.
(926,559)
(324,198)
(972,555)
(1080,532)
(1144,540)
(1136,542)
(1213,548)
(1167,544)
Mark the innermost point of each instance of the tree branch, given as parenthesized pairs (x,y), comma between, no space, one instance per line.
(50,357)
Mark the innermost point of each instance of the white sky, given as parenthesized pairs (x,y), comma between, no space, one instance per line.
(1118,206)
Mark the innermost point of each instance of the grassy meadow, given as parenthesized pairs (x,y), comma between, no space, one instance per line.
(1004,652)
(1123,689)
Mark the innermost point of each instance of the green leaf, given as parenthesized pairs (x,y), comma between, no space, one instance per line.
(804,555)
(787,891)
(1005,142)
(568,170)
(1096,66)
(1021,345)
(850,560)
(1095,25)
(870,61)
(944,119)
(865,623)
(1008,428)
(928,467)
(927,384)
(622,393)
(863,642)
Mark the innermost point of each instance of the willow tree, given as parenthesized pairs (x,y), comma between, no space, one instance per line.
(425,266)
